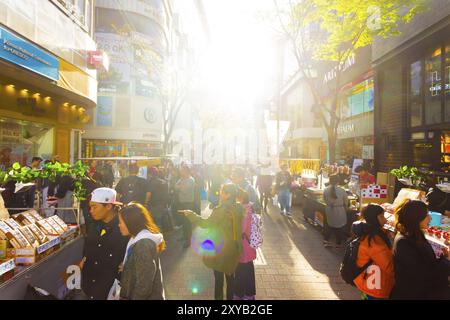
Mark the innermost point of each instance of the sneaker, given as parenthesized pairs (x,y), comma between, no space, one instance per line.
(282,213)
(327,244)
(289,215)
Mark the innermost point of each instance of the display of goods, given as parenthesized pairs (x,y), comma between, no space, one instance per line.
(59,230)
(17,239)
(13,223)
(298,165)
(25,218)
(374,191)
(46,227)
(439,233)
(28,234)
(40,236)
(60,222)
(35,215)
(4,229)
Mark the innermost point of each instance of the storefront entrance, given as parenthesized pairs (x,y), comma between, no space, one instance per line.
(22,140)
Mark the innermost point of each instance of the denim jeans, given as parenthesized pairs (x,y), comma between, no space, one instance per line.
(284,197)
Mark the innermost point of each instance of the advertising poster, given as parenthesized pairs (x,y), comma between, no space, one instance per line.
(104,111)
(118,48)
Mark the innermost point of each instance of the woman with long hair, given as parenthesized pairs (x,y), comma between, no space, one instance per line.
(375,249)
(336,211)
(141,268)
(418,273)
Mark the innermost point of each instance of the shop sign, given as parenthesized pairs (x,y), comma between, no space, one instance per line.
(98,60)
(27,55)
(346,128)
(330,75)
(29,106)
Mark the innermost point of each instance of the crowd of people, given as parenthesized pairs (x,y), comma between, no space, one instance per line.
(169,200)
(126,223)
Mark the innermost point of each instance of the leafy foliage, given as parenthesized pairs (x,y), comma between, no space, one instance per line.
(321,31)
(49,171)
(405,172)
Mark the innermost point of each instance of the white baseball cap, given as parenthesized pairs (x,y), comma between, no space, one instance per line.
(104,195)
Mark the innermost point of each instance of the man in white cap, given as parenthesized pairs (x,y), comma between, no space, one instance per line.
(104,247)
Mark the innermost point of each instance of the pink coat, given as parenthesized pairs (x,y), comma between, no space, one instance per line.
(248,253)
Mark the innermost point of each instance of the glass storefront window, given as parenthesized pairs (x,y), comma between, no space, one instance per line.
(447,83)
(22,140)
(415,86)
(433,77)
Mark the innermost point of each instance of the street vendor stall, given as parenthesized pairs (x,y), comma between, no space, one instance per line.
(438,233)
(314,208)
(36,249)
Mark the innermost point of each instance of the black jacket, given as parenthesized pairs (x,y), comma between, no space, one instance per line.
(103,253)
(418,273)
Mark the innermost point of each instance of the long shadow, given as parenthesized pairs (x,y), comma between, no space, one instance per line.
(316,256)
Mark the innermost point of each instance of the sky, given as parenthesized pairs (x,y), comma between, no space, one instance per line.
(238,66)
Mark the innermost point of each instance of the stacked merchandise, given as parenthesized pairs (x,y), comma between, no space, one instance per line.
(27,237)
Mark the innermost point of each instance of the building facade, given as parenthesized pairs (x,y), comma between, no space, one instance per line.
(128,121)
(47,87)
(413,93)
(306,137)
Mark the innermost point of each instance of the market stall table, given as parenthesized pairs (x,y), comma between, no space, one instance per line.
(50,273)
(314,209)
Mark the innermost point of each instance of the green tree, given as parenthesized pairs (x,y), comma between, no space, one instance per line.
(331,31)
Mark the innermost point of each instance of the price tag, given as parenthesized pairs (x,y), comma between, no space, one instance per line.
(7,266)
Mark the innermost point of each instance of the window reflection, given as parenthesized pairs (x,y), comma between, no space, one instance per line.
(433,78)
(416,94)
(447,83)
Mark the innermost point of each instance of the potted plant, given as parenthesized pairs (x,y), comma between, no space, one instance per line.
(409,176)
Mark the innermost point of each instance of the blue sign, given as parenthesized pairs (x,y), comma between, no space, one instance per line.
(27,55)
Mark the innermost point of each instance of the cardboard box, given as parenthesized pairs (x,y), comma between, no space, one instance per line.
(3,249)
(382,178)
(29,256)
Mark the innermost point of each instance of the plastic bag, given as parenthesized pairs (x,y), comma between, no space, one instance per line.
(114,292)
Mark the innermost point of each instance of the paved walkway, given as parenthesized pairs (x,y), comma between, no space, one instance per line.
(292,264)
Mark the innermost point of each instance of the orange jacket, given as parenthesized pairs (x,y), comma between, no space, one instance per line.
(381,256)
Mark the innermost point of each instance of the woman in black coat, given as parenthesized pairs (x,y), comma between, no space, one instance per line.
(418,273)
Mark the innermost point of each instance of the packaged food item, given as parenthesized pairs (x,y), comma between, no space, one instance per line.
(17,239)
(25,219)
(4,229)
(35,215)
(40,236)
(55,225)
(46,227)
(60,222)
(28,234)
(13,223)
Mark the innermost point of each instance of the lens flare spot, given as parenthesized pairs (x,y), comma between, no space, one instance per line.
(208,245)
(207,242)
(194,290)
